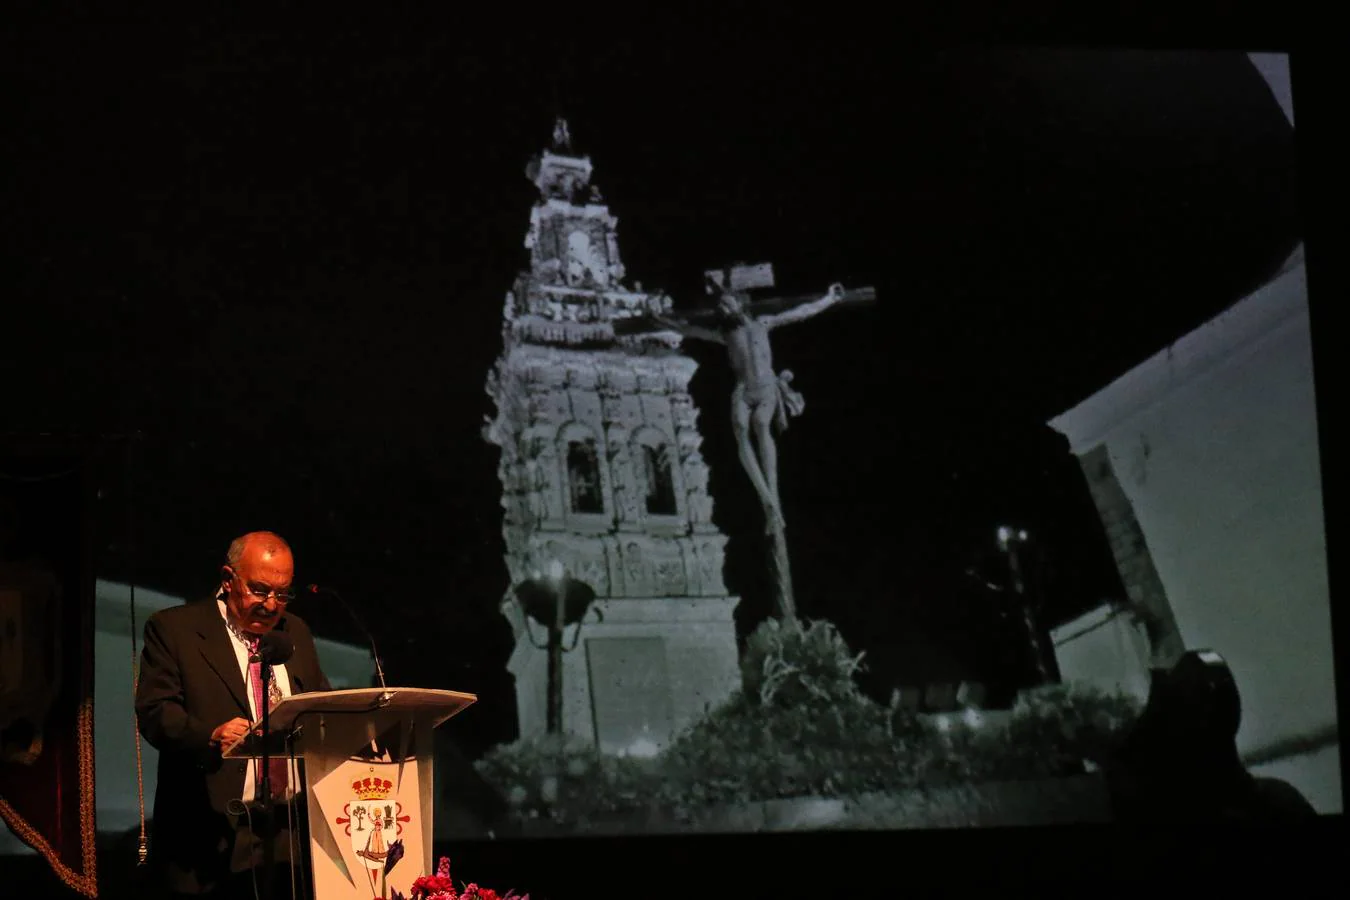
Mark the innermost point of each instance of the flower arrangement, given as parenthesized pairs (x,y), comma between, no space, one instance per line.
(440,886)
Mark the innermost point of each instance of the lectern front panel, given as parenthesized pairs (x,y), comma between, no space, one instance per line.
(366,811)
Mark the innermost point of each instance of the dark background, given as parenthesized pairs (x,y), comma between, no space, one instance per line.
(281,261)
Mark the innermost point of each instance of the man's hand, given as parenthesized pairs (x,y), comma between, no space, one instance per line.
(836,292)
(228,733)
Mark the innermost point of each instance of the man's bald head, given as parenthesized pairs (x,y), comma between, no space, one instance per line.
(264,544)
(256,580)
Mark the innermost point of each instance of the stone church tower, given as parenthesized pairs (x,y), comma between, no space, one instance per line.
(601,472)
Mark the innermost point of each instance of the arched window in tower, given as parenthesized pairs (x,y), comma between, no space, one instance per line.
(658,473)
(583,475)
(580,257)
(660,483)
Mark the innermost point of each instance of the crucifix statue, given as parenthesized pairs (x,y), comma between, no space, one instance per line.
(762,400)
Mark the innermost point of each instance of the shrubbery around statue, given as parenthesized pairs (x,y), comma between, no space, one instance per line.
(801,727)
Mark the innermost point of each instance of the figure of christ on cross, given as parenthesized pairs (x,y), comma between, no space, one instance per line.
(762,400)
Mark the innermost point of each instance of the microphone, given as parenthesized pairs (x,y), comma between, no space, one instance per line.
(374,651)
(275,648)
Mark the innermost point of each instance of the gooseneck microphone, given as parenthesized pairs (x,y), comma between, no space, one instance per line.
(275,648)
(374,651)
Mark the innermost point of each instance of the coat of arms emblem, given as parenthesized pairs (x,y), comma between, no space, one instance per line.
(374,820)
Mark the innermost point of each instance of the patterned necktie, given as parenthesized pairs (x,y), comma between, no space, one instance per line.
(276,766)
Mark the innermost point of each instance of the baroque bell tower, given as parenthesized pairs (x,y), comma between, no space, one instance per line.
(601,473)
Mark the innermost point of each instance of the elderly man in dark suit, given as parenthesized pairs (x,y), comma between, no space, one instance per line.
(197,693)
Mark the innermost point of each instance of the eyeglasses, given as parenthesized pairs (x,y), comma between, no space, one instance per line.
(261,592)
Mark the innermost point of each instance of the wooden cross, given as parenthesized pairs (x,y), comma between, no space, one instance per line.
(743,278)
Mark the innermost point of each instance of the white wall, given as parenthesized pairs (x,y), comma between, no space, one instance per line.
(1106,649)
(115,736)
(1215,443)
(1317,774)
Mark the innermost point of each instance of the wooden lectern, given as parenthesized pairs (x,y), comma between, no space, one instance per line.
(368,781)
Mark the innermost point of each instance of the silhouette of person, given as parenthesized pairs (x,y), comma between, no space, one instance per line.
(1180,763)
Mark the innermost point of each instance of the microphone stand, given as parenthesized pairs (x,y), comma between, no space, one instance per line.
(356,620)
(265,786)
(379,670)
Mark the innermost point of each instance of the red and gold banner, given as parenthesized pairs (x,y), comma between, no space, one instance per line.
(47,664)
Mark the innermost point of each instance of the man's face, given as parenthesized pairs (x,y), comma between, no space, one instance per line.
(729,305)
(258,590)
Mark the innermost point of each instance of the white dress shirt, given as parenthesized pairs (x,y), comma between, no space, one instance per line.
(283,682)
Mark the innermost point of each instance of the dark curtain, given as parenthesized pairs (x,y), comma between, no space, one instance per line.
(46,655)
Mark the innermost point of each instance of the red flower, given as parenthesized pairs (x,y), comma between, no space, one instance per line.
(433,884)
(440,887)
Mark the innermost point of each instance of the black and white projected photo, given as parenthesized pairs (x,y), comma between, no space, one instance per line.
(771,438)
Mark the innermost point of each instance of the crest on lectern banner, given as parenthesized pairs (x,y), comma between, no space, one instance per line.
(374,816)
(373,819)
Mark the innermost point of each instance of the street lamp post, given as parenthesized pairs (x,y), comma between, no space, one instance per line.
(555,650)
(555,600)
(1013,542)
